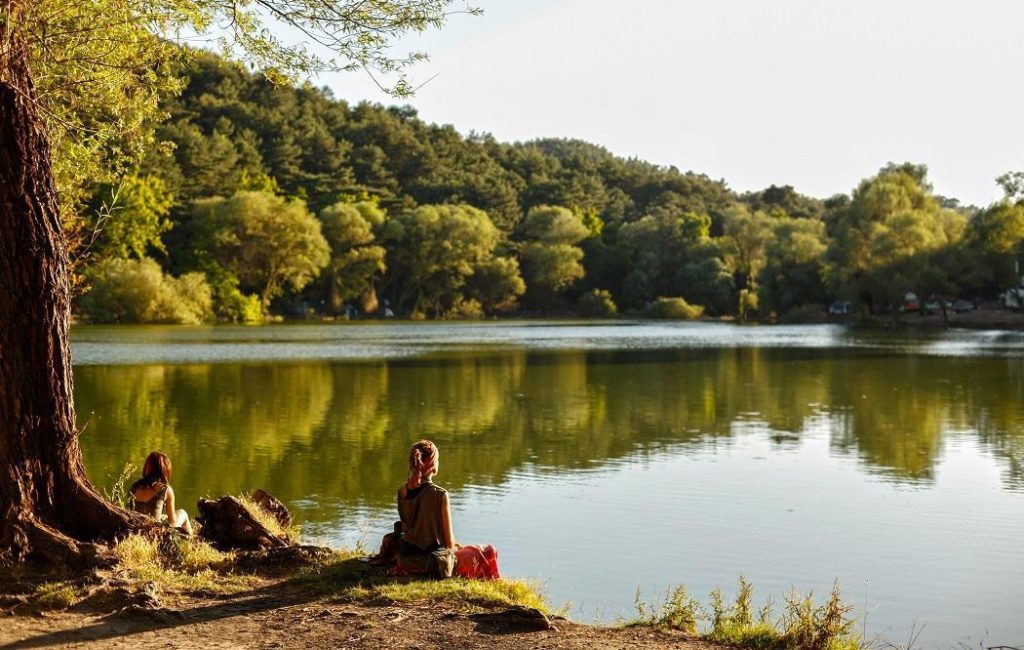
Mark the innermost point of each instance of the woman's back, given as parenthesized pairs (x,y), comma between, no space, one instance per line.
(421,510)
(153,495)
(150,500)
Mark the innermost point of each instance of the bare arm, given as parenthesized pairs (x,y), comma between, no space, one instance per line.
(169,506)
(446,524)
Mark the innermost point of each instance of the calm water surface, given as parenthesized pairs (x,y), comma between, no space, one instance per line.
(602,458)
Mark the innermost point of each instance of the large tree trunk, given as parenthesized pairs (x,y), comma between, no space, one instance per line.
(48,509)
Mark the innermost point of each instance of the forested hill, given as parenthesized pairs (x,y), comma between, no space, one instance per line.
(261,198)
(228,123)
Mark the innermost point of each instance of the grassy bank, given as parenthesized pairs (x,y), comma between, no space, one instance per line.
(176,574)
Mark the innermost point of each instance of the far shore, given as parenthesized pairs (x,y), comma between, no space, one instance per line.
(981,319)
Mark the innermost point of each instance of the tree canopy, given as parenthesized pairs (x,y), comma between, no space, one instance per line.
(563,218)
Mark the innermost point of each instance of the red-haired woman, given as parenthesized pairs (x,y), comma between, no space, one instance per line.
(428,545)
(153,495)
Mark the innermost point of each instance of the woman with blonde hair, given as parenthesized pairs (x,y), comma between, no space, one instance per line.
(427,543)
(153,495)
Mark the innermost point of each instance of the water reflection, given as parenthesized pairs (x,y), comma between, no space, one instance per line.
(337,433)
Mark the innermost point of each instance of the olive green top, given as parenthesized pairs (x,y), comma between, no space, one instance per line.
(421,516)
(154,507)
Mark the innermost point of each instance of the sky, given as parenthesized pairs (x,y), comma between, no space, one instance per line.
(817,94)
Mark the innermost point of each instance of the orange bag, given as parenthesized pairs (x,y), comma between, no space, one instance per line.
(477,562)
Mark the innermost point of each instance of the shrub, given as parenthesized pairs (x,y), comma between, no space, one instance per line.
(193,302)
(230,304)
(804,625)
(673,309)
(597,304)
(678,611)
(465,309)
(138,291)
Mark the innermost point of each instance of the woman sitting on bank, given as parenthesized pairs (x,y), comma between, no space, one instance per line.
(423,543)
(428,545)
(153,495)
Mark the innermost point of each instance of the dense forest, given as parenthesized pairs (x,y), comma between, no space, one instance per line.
(258,200)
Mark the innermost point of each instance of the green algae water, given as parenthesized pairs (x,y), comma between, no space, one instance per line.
(600,458)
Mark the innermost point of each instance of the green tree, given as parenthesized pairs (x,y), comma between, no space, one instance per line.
(884,239)
(597,304)
(553,225)
(135,217)
(793,272)
(69,69)
(1000,227)
(266,240)
(432,251)
(550,257)
(496,284)
(995,247)
(1013,186)
(356,261)
(745,238)
(672,254)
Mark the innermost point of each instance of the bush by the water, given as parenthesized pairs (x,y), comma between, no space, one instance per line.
(465,309)
(597,304)
(803,624)
(673,309)
(230,304)
(138,291)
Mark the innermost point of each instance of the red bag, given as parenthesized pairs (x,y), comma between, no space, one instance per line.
(477,562)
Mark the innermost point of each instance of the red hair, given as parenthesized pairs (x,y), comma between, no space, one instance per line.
(156,469)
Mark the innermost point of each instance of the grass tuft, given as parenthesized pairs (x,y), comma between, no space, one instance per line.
(678,611)
(192,565)
(289,534)
(118,492)
(56,595)
(484,593)
(347,578)
(821,628)
(804,625)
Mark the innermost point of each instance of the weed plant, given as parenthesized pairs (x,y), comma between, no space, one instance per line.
(118,492)
(803,625)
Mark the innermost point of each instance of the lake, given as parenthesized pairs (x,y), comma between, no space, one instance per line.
(604,457)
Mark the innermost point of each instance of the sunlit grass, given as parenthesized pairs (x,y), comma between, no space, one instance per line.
(289,534)
(345,577)
(192,565)
(802,625)
(485,593)
(56,595)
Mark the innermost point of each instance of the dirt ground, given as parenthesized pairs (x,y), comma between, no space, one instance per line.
(270,617)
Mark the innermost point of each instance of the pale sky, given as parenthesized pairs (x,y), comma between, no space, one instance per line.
(817,94)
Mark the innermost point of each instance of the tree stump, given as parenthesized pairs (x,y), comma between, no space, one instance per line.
(228,525)
(272,505)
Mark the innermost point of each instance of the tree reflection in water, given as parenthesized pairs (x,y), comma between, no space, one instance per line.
(320,432)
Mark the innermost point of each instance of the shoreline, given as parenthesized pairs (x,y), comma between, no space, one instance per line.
(994,320)
(183,593)
(280,611)
(286,620)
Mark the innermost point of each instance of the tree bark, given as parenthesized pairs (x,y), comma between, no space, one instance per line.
(48,509)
